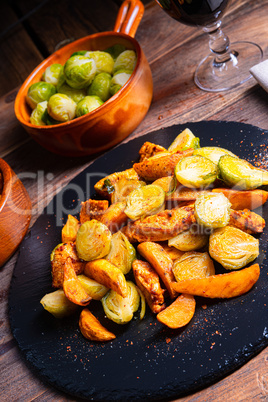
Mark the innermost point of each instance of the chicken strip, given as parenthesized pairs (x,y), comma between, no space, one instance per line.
(246,220)
(149,149)
(92,209)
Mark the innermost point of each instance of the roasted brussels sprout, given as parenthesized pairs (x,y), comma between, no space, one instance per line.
(93,240)
(196,171)
(212,210)
(115,50)
(232,247)
(94,289)
(125,61)
(61,108)
(212,153)
(53,73)
(241,174)
(39,92)
(73,93)
(121,309)
(145,200)
(79,71)
(87,105)
(118,81)
(122,253)
(57,304)
(185,140)
(101,86)
(192,265)
(104,61)
(123,187)
(188,240)
(38,113)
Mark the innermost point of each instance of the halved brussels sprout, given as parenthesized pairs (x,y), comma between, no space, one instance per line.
(39,92)
(93,240)
(104,61)
(241,174)
(115,50)
(57,304)
(38,113)
(52,73)
(118,81)
(232,247)
(212,210)
(75,94)
(185,140)
(101,86)
(125,61)
(79,71)
(121,309)
(193,265)
(87,105)
(196,171)
(145,200)
(188,241)
(122,253)
(213,153)
(123,187)
(94,289)
(61,108)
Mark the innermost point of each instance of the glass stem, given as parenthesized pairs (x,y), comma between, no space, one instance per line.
(218,43)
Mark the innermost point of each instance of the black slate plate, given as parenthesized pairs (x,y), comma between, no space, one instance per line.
(146,361)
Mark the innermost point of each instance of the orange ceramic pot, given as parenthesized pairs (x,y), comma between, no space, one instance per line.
(116,118)
(15,212)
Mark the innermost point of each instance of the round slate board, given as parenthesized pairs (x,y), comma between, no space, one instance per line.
(146,361)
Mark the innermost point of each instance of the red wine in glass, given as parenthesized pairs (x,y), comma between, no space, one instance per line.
(225,67)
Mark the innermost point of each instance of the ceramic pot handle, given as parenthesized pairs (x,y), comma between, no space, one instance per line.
(129,17)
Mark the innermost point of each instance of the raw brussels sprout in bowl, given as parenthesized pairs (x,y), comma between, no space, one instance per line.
(91,88)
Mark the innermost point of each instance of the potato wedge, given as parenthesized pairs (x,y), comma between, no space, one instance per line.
(69,230)
(248,199)
(149,149)
(108,275)
(114,217)
(161,262)
(72,287)
(179,313)
(148,282)
(92,329)
(173,252)
(101,188)
(227,285)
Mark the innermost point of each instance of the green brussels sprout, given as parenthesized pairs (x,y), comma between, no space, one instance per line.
(93,288)
(39,92)
(115,50)
(52,74)
(79,71)
(125,61)
(121,309)
(212,210)
(61,108)
(57,304)
(48,120)
(79,53)
(101,86)
(36,117)
(122,253)
(104,61)
(73,93)
(88,104)
(196,171)
(118,81)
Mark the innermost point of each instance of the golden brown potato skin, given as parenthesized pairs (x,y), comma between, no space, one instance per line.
(149,149)
(179,313)
(92,329)
(248,199)
(113,178)
(148,282)
(72,287)
(60,257)
(246,220)
(227,285)
(114,217)
(154,168)
(160,227)
(92,209)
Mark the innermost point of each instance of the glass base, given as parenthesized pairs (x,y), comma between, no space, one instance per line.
(213,75)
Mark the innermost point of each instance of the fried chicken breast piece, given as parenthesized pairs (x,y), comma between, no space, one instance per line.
(162,226)
(246,220)
(150,149)
(148,282)
(92,209)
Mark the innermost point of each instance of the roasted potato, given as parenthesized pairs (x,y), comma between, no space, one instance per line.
(179,313)
(247,199)
(72,287)
(70,229)
(92,329)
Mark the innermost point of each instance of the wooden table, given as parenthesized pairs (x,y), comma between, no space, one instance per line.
(173,51)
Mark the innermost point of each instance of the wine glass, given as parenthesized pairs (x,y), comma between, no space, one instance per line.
(225,67)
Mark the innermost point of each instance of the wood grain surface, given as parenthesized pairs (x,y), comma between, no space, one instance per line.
(30,31)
